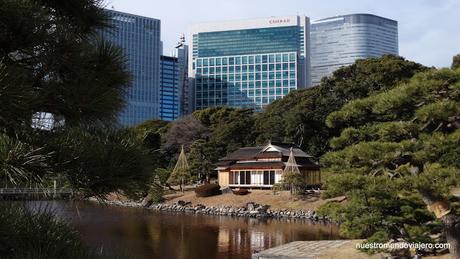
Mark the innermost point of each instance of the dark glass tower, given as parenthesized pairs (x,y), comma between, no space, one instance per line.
(139,37)
(169,91)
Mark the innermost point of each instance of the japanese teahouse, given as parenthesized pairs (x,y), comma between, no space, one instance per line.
(262,167)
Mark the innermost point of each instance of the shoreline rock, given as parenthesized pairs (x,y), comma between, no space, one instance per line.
(251,210)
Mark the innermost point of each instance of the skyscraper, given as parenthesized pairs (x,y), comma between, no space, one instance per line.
(139,37)
(183,81)
(169,89)
(249,63)
(174,83)
(338,41)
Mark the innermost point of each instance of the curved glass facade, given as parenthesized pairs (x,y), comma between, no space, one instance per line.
(339,41)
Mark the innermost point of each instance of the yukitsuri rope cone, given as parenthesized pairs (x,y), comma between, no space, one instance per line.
(181,172)
(291,172)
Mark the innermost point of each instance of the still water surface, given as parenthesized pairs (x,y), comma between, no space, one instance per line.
(142,233)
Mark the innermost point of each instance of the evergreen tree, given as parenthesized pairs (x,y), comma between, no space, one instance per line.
(397,160)
(202,157)
(53,63)
(456,62)
(300,116)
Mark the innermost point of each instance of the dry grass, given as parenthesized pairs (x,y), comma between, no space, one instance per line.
(283,200)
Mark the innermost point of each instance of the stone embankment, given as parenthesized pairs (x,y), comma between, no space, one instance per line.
(252,210)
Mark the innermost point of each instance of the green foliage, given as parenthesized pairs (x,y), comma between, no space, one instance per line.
(230,128)
(293,182)
(456,62)
(203,157)
(397,153)
(300,116)
(56,64)
(374,204)
(394,131)
(51,61)
(277,187)
(212,133)
(399,103)
(438,112)
(98,160)
(162,174)
(28,234)
(21,162)
(151,134)
(156,193)
(208,135)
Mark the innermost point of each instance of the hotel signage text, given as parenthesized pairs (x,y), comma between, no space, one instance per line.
(279,21)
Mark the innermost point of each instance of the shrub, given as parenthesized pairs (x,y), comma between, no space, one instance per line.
(241,191)
(27,234)
(207,190)
(156,192)
(277,187)
(162,175)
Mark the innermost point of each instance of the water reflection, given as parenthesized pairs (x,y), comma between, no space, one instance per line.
(145,234)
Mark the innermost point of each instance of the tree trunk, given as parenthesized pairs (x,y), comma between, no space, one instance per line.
(451,225)
(451,222)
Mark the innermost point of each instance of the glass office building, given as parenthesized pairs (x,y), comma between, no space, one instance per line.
(183,84)
(249,63)
(338,41)
(169,88)
(139,37)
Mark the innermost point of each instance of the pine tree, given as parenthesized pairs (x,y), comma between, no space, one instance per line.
(397,160)
(181,173)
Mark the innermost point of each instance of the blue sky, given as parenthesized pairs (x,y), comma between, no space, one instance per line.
(429,30)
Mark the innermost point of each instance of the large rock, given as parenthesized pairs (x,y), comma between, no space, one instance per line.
(226,190)
(147,201)
(250,206)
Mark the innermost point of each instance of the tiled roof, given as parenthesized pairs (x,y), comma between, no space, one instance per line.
(285,149)
(272,149)
(269,154)
(248,157)
(243,153)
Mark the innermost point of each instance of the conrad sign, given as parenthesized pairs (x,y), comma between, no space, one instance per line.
(279,21)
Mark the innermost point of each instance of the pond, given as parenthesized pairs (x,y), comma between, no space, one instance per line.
(142,233)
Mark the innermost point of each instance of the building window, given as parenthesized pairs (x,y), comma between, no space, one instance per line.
(269,177)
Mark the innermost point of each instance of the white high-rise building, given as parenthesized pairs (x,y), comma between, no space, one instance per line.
(248,63)
(340,40)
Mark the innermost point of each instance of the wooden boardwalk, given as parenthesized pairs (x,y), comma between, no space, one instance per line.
(300,250)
